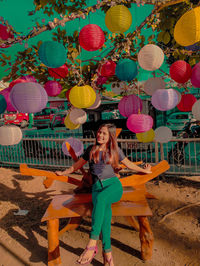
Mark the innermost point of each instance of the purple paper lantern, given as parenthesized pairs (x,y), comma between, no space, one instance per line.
(130,104)
(53,88)
(195,78)
(139,123)
(76,144)
(28,97)
(6,94)
(164,100)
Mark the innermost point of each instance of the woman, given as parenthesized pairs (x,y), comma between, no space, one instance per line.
(103,157)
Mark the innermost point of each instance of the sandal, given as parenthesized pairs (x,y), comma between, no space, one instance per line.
(106,260)
(95,251)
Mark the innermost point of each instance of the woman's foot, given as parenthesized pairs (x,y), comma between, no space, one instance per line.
(89,253)
(108,259)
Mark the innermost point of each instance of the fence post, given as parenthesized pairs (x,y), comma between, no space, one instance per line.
(161,151)
(156,152)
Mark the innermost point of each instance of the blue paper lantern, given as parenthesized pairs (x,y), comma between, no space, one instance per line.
(126,69)
(3,104)
(52,54)
(28,97)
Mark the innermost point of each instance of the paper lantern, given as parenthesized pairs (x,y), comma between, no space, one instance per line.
(195,78)
(130,104)
(187,28)
(147,136)
(5,34)
(77,116)
(76,144)
(53,88)
(10,135)
(59,72)
(126,69)
(67,94)
(91,37)
(179,96)
(193,47)
(27,78)
(107,69)
(82,96)
(117,87)
(101,80)
(196,110)
(97,103)
(153,84)
(139,123)
(118,19)
(52,54)
(150,57)
(3,104)
(180,71)
(186,103)
(28,97)
(68,123)
(6,94)
(164,100)
(163,134)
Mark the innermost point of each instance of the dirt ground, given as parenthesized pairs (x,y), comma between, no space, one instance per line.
(23,238)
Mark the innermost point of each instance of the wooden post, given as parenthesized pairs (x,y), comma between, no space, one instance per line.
(146,238)
(53,243)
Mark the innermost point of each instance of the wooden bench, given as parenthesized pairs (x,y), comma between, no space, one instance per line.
(74,206)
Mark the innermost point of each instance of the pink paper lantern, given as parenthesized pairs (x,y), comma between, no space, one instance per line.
(6,94)
(139,123)
(195,78)
(186,103)
(5,35)
(59,72)
(107,69)
(53,88)
(91,37)
(27,78)
(180,71)
(130,104)
(164,100)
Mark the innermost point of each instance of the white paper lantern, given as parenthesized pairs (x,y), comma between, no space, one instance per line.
(77,116)
(163,134)
(164,100)
(150,57)
(117,87)
(153,84)
(97,103)
(196,110)
(10,135)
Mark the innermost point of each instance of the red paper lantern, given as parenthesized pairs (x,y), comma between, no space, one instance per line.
(59,72)
(180,71)
(67,94)
(27,78)
(107,69)
(5,35)
(91,37)
(186,103)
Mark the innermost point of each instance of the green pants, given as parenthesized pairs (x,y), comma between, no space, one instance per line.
(103,195)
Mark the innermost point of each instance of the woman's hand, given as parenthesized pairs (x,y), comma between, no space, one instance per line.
(147,168)
(61,173)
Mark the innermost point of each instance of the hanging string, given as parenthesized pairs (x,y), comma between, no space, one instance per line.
(79,49)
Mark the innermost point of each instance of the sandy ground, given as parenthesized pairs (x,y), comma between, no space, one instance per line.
(23,238)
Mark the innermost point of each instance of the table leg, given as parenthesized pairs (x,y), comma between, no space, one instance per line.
(146,238)
(53,243)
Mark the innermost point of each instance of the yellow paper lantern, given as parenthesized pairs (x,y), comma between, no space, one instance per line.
(82,96)
(187,28)
(68,123)
(118,19)
(147,136)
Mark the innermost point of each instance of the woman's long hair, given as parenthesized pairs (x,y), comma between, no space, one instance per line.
(110,154)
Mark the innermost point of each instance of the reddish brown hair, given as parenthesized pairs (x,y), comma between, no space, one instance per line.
(111,153)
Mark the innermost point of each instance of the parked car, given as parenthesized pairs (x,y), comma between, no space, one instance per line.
(16,118)
(176,121)
(44,118)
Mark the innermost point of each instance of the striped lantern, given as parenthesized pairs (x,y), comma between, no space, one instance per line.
(180,71)
(164,100)
(130,104)
(150,57)
(153,84)
(91,37)
(139,123)
(126,69)
(10,135)
(77,116)
(118,19)
(82,96)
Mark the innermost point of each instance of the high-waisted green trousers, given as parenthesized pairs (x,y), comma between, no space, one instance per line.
(104,193)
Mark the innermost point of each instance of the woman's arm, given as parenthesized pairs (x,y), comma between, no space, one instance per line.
(136,168)
(77,165)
